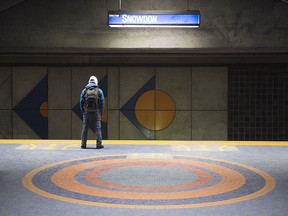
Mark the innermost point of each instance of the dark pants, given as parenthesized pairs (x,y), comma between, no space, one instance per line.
(91,120)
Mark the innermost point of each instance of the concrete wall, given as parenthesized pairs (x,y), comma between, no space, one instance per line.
(48,47)
(225,24)
(197,98)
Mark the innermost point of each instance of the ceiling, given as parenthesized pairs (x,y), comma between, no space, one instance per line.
(9,4)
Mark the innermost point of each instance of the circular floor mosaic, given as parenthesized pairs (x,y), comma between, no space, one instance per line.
(121,181)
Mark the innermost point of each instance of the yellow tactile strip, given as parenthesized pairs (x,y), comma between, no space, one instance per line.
(231,181)
(144,142)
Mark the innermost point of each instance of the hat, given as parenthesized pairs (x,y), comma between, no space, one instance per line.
(93,79)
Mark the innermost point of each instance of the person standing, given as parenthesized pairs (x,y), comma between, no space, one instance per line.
(92,108)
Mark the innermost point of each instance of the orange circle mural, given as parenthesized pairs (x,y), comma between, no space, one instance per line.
(104,117)
(155,110)
(44,109)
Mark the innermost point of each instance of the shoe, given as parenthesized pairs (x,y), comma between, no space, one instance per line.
(83,146)
(99,146)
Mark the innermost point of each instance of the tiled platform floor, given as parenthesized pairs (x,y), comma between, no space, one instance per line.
(56,177)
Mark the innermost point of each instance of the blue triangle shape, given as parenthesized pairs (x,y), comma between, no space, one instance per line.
(29,108)
(129,109)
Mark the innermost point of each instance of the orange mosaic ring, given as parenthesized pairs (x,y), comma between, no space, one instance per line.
(64,178)
(93,177)
(231,181)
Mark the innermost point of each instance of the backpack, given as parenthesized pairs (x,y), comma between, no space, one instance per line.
(91,100)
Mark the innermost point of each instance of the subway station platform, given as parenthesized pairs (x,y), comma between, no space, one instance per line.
(133,177)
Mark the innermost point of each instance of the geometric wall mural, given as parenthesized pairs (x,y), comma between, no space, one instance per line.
(33,109)
(103,83)
(142,102)
(104,126)
(150,109)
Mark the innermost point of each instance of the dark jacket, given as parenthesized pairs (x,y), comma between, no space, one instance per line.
(101,97)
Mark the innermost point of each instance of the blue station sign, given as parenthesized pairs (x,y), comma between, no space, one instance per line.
(187,19)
